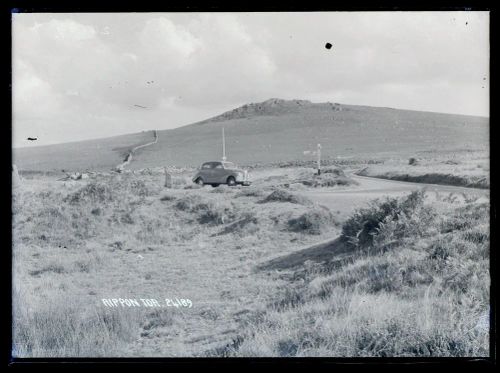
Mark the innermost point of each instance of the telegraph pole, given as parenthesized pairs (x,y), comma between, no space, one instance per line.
(319,159)
(223,146)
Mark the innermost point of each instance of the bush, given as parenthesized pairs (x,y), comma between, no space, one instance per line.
(313,221)
(94,192)
(190,203)
(210,212)
(140,188)
(248,224)
(168,198)
(329,180)
(360,229)
(281,195)
(329,177)
(333,170)
(250,192)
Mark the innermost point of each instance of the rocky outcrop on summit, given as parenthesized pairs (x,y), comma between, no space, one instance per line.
(273,106)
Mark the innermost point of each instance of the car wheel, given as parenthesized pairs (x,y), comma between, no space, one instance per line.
(215,185)
(231,181)
(199,181)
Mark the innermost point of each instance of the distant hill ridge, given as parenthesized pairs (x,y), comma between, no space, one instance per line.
(271,131)
(272,106)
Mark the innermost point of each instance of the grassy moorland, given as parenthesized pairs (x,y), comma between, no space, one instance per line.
(272,131)
(96,155)
(460,168)
(269,272)
(281,130)
(415,284)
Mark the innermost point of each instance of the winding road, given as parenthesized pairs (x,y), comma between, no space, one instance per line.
(345,201)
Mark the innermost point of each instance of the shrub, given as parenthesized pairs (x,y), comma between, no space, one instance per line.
(191,202)
(250,192)
(360,229)
(94,192)
(333,170)
(216,213)
(313,221)
(281,195)
(139,188)
(168,198)
(329,177)
(247,224)
(209,212)
(329,180)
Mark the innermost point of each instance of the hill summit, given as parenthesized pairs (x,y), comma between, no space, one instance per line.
(272,106)
(271,131)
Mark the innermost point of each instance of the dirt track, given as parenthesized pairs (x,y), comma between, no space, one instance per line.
(128,159)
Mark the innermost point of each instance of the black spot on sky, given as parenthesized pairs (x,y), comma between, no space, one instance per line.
(328,46)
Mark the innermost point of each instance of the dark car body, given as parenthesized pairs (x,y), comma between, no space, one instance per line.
(218,172)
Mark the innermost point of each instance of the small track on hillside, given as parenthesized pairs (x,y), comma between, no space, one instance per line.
(128,158)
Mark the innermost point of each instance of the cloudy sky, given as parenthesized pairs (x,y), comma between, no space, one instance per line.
(79,76)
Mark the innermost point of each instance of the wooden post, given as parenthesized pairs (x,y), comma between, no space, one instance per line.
(223,146)
(16,180)
(168,179)
(319,159)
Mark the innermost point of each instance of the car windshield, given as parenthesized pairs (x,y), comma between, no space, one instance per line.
(229,165)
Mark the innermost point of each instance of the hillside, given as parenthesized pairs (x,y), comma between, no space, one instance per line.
(98,155)
(278,130)
(281,130)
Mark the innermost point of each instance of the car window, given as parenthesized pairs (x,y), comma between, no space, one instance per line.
(206,166)
(229,165)
(218,165)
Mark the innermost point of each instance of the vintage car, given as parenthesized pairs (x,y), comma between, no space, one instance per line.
(217,172)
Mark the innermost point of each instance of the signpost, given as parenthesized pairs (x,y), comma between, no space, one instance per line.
(318,153)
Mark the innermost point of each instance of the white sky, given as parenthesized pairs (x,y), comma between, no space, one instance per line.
(78,76)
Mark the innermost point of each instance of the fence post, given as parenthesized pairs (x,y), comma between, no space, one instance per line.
(16,180)
(168,179)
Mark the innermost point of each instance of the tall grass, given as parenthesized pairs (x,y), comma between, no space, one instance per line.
(69,327)
(416,284)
